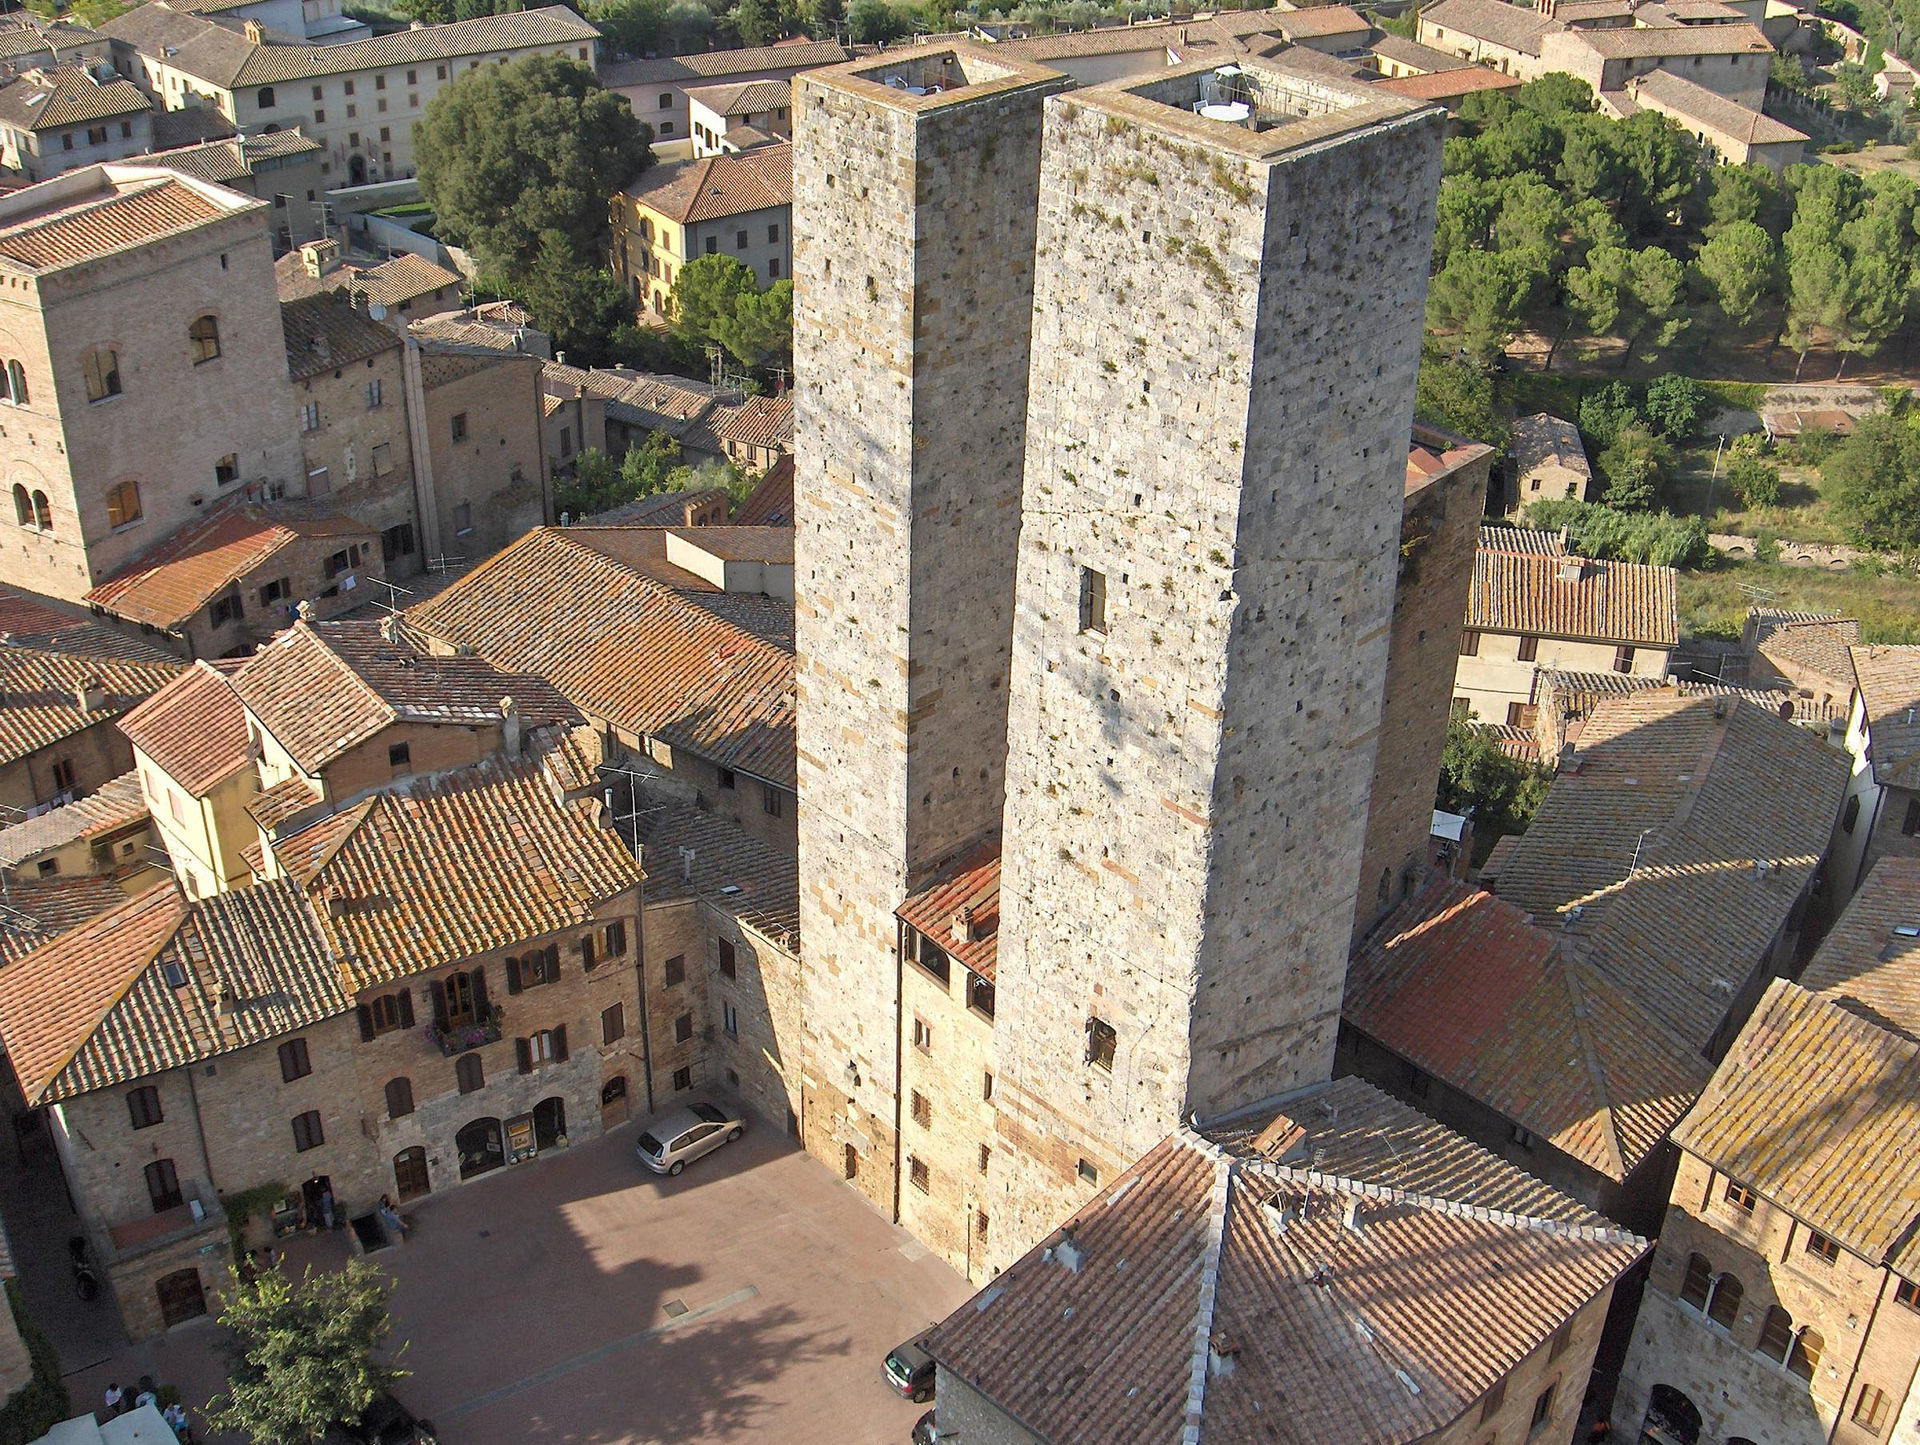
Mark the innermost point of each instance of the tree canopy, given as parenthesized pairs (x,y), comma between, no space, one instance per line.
(718,298)
(1877,472)
(1501,793)
(509,153)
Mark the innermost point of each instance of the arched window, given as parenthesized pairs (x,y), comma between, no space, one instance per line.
(102,369)
(1698,1283)
(1776,1336)
(1804,1358)
(203,339)
(399,1098)
(470,1073)
(42,512)
(16,383)
(1724,1307)
(22,506)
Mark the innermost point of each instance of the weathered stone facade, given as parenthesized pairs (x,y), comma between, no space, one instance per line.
(1206,577)
(913,288)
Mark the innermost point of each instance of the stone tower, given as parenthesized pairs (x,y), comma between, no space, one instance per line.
(914,202)
(1227,315)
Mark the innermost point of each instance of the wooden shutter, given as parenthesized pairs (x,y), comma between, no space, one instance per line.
(613,1023)
(616,938)
(438,991)
(366,1024)
(406,1008)
(553,961)
(560,1044)
(479,977)
(513,975)
(586,951)
(523,1054)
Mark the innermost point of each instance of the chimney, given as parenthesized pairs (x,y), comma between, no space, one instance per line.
(1068,1252)
(320,257)
(304,609)
(336,903)
(90,695)
(509,728)
(963,924)
(390,627)
(1350,1213)
(1572,569)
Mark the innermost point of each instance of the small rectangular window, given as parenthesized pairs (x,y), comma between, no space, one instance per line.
(713,245)
(771,802)
(307,1132)
(683,1028)
(613,1023)
(729,964)
(459,426)
(773,233)
(922,1035)
(682,1079)
(1623,659)
(919,1174)
(400,757)
(932,957)
(1870,1409)
(1469,643)
(1910,825)
(986,1157)
(1826,1250)
(463,519)
(373,393)
(1739,1196)
(1542,1408)
(730,1020)
(1529,649)
(986,1086)
(143,1105)
(1101,1043)
(1907,1293)
(1093,601)
(1088,1174)
(676,970)
(725,776)
(310,416)
(922,1110)
(294,1063)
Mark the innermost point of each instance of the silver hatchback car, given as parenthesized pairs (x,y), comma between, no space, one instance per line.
(672,1140)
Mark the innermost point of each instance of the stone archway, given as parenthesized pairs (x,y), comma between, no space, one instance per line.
(1672,1419)
(481,1147)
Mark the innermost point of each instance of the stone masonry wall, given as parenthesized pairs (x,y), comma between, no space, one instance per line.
(913,233)
(1226,444)
(1439,533)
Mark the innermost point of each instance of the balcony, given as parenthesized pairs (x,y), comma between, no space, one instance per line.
(457,1038)
(150,1231)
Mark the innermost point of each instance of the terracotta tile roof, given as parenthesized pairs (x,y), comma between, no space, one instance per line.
(771,502)
(226,58)
(194,729)
(1863,962)
(1319,21)
(1514,27)
(1817,1108)
(76,224)
(227,160)
(37,911)
(324,331)
(1580,692)
(759,421)
(1542,440)
(734,543)
(714,63)
(493,326)
(444,866)
(114,805)
(729,869)
(1664,90)
(323,688)
(662,509)
(712,188)
(1889,683)
(1465,987)
(1384,1333)
(1517,589)
(285,801)
(1651,853)
(1412,52)
(1623,42)
(1524,541)
(658,403)
(29,622)
(40,700)
(172,582)
(971,883)
(405,278)
(23,34)
(1446,84)
(99,1006)
(68,95)
(1819,644)
(585,609)
(743,98)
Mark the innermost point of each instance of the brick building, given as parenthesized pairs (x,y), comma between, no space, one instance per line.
(281,168)
(1808,654)
(57,713)
(1783,1305)
(1297,1275)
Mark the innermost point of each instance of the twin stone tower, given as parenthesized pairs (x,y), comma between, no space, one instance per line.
(1103,412)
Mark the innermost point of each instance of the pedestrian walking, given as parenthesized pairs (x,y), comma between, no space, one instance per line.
(326,1208)
(390,1217)
(115,1395)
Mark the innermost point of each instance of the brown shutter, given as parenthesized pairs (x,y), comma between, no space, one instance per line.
(406,1008)
(366,1024)
(523,1055)
(560,1044)
(616,938)
(437,990)
(586,951)
(553,960)
(479,976)
(513,975)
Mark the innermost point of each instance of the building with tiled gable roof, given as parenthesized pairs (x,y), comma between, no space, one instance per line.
(756,431)
(736,204)
(1781,1300)
(1881,817)
(1569,1022)
(37,912)
(658,88)
(194,754)
(278,167)
(55,119)
(1532,604)
(1340,1270)
(738,116)
(30,42)
(1808,652)
(57,715)
(106,834)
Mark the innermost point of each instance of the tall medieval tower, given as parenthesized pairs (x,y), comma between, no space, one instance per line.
(914,202)
(1227,314)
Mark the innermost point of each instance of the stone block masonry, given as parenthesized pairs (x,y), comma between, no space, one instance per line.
(1226,330)
(915,197)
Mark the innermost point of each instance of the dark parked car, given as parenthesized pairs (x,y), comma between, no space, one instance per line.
(925,1432)
(385,1422)
(909,1370)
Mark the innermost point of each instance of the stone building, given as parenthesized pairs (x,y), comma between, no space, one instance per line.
(1881,816)
(1301,1275)
(349,387)
(916,188)
(658,88)
(1808,654)
(1534,605)
(1210,524)
(63,117)
(1784,1302)
(107,834)
(1728,133)
(1549,463)
(138,307)
(733,117)
(32,42)
(57,713)
(1567,1022)
(282,169)
(737,205)
(360,99)
(1446,491)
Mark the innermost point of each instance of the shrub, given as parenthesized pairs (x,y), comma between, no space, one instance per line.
(1594,530)
(1604,413)
(1676,405)
(1752,478)
(40,1404)
(1636,467)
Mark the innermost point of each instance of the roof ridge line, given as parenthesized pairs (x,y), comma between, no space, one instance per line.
(1486,1214)
(1595,1070)
(1209,1282)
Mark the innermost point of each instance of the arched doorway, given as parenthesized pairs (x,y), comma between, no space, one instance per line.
(356,170)
(1672,1419)
(481,1147)
(181,1296)
(613,1101)
(410,1174)
(549,1123)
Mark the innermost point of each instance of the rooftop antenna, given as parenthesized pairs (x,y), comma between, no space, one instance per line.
(1638,844)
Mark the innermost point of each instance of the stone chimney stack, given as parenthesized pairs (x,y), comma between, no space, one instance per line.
(90,695)
(509,727)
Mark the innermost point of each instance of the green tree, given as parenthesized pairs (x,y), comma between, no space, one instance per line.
(756,22)
(1817,294)
(1499,792)
(1600,292)
(1743,193)
(580,305)
(1737,267)
(1635,467)
(873,21)
(1659,298)
(760,330)
(302,1355)
(1676,405)
(1854,84)
(1482,297)
(1555,94)
(707,294)
(510,152)
(1458,396)
(1753,479)
(1593,530)
(1876,473)
(634,26)
(1607,411)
